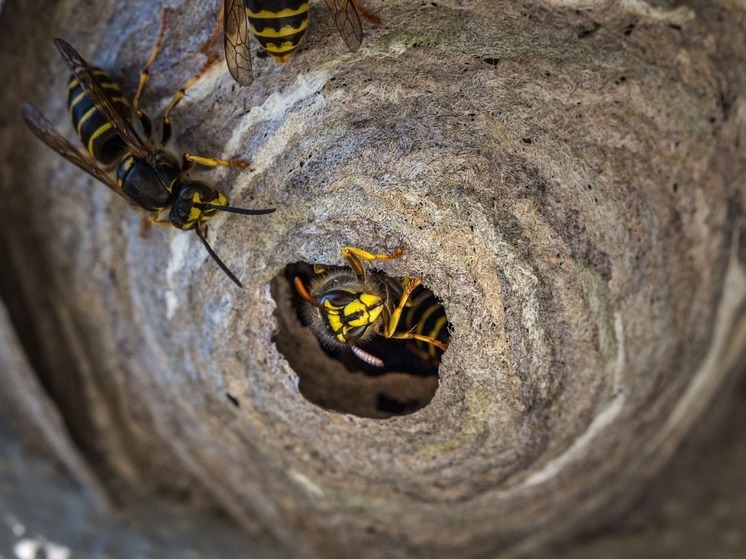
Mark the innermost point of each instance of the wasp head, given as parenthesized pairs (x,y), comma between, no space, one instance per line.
(341,309)
(349,314)
(195,203)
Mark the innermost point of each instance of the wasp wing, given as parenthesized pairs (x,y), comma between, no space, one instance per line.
(96,93)
(236,41)
(347,21)
(44,130)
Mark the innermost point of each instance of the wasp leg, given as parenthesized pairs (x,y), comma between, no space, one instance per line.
(144,227)
(389,330)
(190,159)
(422,338)
(207,45)
(145,76)
(390,327)
(154,218)
(355,257)
(159,218)
(373,18)
(179,95)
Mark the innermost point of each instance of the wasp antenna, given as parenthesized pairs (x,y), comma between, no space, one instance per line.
(301,289)
(233,209)
(216,258)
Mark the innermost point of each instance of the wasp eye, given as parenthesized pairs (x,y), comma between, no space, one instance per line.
(338,298)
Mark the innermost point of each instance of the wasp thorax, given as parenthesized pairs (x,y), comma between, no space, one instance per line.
(336,329)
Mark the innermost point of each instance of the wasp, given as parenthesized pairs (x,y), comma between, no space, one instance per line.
(149,177)
(346,307)
(279,27)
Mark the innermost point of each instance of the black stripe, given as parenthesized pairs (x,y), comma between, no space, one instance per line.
(108,146)
(294,39)
(415,314)
(277,23)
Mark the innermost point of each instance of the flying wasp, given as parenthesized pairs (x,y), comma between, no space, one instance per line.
(150,178)
(279,26)
(347,307)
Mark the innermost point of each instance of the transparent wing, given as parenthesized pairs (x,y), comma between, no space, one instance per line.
(347,21)
(236,41)
(44,130)
(100,98)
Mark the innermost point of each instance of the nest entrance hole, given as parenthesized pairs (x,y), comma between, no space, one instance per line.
(338,380)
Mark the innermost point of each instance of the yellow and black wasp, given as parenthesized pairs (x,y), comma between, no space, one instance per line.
(150,178)
(279,26)
(348,307)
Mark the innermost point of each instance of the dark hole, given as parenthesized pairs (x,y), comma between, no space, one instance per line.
(587,32)
(335,378)
(385,403)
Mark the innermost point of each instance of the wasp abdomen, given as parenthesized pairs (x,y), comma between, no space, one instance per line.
(425,315)
(93,128)
(278,25)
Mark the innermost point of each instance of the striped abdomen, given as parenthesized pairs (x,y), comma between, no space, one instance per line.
(278,25)
(424,314)
(93,129)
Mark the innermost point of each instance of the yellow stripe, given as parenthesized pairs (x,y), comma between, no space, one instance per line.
(284,32)
(126,165)
(74,82)
(108,85)
(425,315)
(77,100)
(194,214)
(272,48)
(287,12)
(120,100)
(96,134)
(439,325)
(85,117)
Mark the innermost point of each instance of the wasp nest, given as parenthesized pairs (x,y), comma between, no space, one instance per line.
(567,177)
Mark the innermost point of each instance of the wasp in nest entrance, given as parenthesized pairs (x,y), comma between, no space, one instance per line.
(361,341)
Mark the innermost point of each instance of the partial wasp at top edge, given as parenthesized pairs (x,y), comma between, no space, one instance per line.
(347,307)
(150,178)
(279,26)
